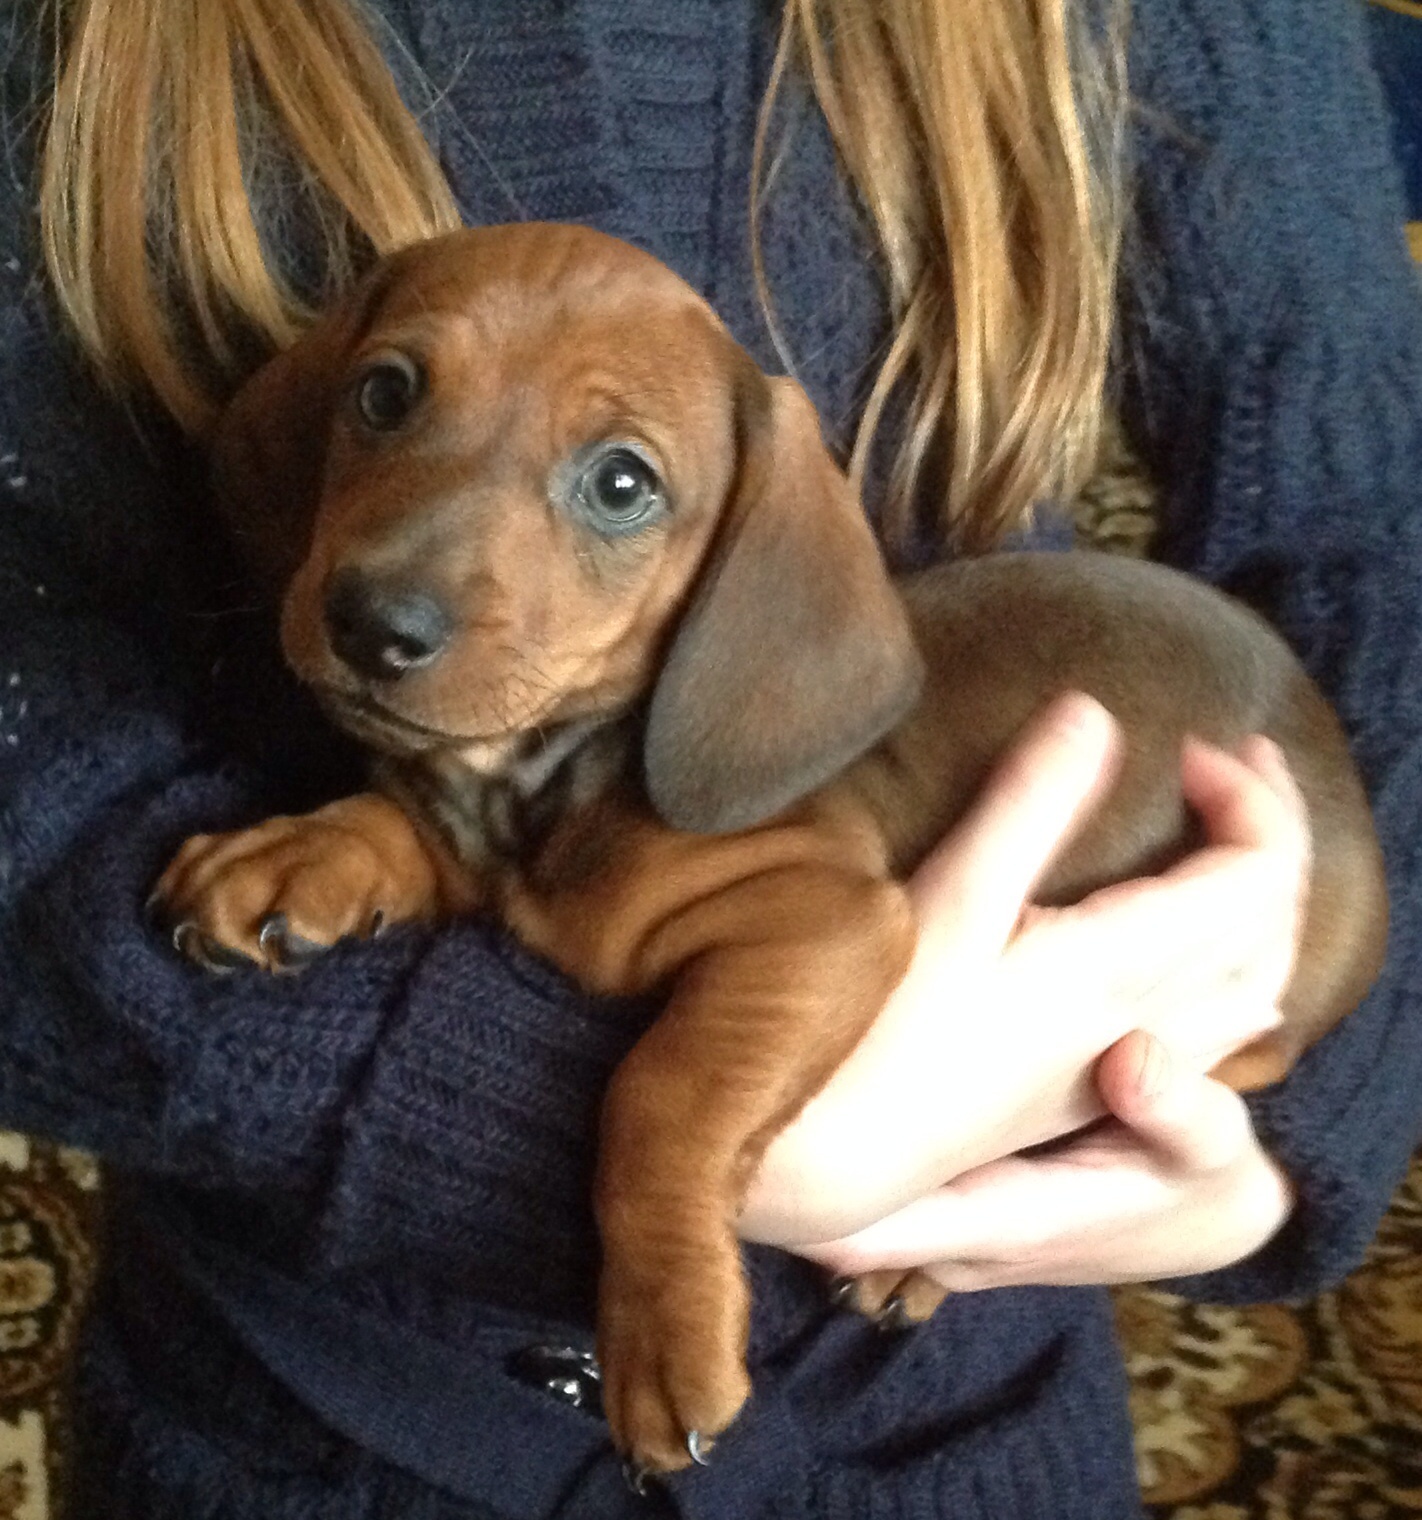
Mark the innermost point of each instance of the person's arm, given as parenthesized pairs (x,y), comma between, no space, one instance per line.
(1276,364)
(1274,355)
(116,744)
(452,1048)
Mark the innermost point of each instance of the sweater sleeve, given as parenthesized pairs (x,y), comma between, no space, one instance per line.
(1274,353)
(117,692)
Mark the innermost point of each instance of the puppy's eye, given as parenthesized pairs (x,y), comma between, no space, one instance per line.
(619,490)
(387,392)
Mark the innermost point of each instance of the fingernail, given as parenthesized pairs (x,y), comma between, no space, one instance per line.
(1269,752)
(1080,715)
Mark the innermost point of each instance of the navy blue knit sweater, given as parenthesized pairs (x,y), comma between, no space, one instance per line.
(344,1203)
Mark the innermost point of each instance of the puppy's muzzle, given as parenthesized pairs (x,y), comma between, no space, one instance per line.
(383,629)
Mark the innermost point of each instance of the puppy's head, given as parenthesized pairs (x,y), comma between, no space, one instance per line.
(523,477)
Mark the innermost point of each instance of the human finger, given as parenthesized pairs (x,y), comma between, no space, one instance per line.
(1189,1191)
(979,1215)
(1265,758)
(975,883)
(1246,802)
(1192,1122)
(1223,921)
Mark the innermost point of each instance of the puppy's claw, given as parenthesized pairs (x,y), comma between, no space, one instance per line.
(378,923)
(698,1452)
(287,951)
(894,1316)
(635,1476)
(191,943)
(842,1291)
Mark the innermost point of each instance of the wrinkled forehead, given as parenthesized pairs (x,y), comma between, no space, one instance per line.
(561,319)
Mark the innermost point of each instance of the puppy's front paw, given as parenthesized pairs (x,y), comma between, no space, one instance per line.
(672,1353)
(279,895)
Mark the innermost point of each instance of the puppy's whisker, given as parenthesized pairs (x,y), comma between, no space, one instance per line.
(541,675)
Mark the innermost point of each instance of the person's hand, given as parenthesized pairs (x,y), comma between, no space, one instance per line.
(989,1044)
(1174,1182)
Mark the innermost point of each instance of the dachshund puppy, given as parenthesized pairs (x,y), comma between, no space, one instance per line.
(593,590)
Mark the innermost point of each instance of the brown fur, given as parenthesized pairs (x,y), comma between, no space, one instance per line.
(699,756)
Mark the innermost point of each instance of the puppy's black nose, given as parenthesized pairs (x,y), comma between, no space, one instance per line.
(382,629)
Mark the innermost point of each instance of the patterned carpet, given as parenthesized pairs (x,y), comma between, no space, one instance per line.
(48,1218)
(1282,1413)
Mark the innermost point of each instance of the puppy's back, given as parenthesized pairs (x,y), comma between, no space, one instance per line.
(1168,656)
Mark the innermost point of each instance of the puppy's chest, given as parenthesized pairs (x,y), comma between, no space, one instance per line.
(544,825)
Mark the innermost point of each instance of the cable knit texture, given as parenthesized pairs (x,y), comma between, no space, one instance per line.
(344,1201)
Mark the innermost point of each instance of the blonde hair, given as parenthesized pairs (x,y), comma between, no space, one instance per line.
(982,135)
(165,114)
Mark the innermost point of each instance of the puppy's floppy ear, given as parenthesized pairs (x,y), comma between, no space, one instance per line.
(269,446)
(794,654)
